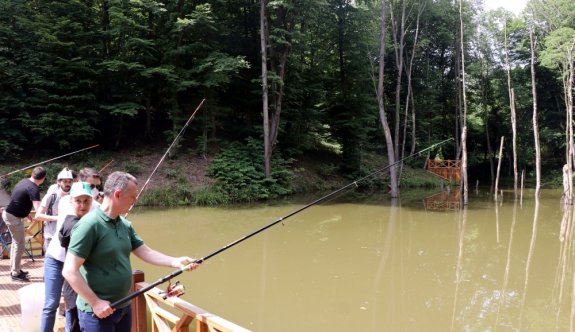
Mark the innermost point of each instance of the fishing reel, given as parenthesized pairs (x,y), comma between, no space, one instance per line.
(173,290)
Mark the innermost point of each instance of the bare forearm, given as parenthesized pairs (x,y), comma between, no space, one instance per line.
(45,217)
(154,257)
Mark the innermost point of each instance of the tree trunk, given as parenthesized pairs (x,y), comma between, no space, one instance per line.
(265,106)
(533,42)
(398,44)
(569,120)
(464,179)
(409,99)
(511,93)
(394,191)
(484,85)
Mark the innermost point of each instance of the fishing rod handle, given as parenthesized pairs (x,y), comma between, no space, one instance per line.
(147,288)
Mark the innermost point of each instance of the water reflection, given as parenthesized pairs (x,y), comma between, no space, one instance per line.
(448,199)
(565,265)
(529,258)
(378,265)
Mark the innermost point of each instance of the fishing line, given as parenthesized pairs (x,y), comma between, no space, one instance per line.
(166,153)
(45,161)
(281,219)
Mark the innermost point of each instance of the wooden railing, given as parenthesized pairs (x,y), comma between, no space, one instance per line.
(163,317)
(449,170)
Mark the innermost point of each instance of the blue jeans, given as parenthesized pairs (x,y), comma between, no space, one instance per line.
(53,281)
(119,321)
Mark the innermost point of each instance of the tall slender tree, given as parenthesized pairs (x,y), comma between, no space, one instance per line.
(391,157)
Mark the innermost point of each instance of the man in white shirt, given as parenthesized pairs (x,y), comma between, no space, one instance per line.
(48,211)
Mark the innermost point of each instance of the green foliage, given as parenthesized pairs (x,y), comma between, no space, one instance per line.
(239,173)
(131,167)
(123,73)
(171,173)
(209,196)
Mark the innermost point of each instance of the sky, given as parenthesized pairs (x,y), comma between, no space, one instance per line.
(516,6)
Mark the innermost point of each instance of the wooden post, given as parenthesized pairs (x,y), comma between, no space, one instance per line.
(139,319)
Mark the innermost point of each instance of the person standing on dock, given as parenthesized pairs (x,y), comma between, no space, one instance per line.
(72,207)
(97,264)
(48,211)
(26,194)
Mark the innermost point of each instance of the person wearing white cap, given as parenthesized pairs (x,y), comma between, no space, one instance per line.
(98,264)
(48,211)
(77,204)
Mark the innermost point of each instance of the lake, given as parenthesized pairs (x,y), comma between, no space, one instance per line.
(373,264)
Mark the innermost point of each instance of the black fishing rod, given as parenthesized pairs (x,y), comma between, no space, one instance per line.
(226,247)
(165,154)
(45,161)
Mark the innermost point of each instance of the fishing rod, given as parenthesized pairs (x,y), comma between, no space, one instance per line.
(165,154)
(228,246)
(45,161)
(106,166)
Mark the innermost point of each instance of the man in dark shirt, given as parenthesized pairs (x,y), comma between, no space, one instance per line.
(25,195)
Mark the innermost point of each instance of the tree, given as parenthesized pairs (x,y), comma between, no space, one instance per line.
(464,180)
(394,190)
(559,54)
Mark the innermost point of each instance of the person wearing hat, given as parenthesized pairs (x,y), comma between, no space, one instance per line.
(77,204)
(48,211)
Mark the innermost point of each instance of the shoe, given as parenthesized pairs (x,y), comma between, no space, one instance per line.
(20,277)
(24,272)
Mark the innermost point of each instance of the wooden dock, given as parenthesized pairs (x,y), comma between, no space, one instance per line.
(448,170)
(10,310)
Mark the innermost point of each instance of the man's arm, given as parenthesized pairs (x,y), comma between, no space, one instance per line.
(41,213)
(71,273)
(154,257)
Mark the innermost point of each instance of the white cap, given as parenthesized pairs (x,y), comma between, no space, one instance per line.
(65,174)
(81,189)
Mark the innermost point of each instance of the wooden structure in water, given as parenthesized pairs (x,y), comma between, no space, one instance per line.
(445,200)
(448,170)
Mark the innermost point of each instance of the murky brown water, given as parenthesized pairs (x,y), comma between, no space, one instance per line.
(371,266)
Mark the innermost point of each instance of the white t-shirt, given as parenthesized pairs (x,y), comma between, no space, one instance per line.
(50,226)
(55,249)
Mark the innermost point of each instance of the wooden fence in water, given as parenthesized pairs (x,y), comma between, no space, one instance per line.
(449,170)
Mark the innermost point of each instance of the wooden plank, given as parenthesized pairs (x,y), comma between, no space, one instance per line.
(10,308)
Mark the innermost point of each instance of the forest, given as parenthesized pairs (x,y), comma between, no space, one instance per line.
(282,78)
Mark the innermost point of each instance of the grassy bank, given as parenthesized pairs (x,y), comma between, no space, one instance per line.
(188,179)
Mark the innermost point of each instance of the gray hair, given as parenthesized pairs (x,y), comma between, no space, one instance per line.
(118,181)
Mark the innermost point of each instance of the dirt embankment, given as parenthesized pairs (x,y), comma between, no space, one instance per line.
(140,162)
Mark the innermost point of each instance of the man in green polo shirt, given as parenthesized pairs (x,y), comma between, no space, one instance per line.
(97,264)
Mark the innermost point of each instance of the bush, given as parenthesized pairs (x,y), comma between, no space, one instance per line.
(239,173)
(132,168)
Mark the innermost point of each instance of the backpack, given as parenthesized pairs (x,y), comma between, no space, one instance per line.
(66,230)
(50,206)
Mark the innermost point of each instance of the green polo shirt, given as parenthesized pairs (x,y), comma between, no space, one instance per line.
(105,244)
